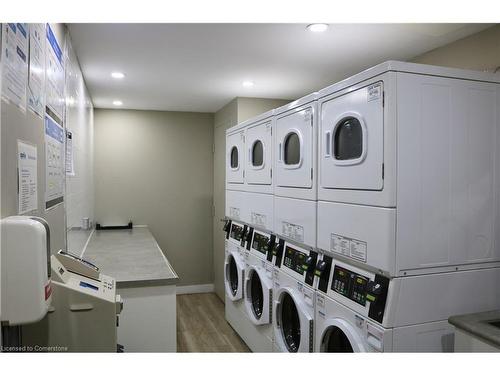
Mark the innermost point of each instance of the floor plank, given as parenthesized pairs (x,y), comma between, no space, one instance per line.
(202,327)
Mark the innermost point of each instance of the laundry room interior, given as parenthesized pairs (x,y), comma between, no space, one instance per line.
(320,185)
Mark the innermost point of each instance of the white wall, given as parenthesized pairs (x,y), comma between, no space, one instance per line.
(80,122)
(156,168)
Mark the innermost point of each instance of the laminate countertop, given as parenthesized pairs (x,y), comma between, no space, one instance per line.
(479,325)
(131,256)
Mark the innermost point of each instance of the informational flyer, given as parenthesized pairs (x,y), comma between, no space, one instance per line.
(70,168)
(54,162)
(54,74)
(27,177)
(15,63)
(36,68)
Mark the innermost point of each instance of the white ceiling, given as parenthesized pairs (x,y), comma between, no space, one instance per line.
(201,67)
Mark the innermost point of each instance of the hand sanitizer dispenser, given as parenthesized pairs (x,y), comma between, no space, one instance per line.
(25,287)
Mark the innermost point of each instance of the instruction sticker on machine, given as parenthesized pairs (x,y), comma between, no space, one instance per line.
(258,219)
(293,231)
(374,91)
(349,247)
(234,212)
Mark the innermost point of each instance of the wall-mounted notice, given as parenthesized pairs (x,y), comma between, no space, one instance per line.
(36,67)
(15,63)
(54,162)
(54,74)
(70,167)
(27,177)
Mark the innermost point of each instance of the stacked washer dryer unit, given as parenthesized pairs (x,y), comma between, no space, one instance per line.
(249,200)
(408,206)
(295,193)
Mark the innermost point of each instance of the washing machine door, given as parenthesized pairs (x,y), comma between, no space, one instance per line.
(234,272)
(293,323)
(258,295)
(340,337)
(235,158)
(259,154)
(294,148)
(352,140)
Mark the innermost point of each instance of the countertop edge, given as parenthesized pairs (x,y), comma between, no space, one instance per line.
(476,328)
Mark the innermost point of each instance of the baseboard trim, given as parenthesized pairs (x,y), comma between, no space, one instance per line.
(193,289)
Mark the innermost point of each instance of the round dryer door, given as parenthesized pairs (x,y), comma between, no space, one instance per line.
(258,292)
(340,337)
(294,324)
(233,278)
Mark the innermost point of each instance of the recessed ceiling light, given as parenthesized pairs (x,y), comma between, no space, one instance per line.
(247,84)
(117,103)
(317,27)
(117,75)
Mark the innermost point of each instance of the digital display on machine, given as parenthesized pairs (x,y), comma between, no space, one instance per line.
(260,243)
(350,285)
(294,259)
(236,232)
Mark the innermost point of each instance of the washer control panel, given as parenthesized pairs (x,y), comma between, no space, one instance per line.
(261,243)
(237,232)
(350,284)
(294,259)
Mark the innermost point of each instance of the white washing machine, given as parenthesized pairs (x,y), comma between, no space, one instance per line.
(258,290)
(360,310)
(412,147)
(293,298)
(295,161)
(234,274)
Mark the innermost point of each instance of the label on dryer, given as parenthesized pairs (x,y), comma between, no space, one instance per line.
(258,219)
(307,115)
(374,91)
(292,231)
(234,212)
(349,247)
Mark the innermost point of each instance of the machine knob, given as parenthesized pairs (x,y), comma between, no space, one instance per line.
(373,290)
(320,268)
(308,263)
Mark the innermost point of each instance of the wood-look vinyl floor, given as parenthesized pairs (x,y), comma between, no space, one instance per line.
(202,327)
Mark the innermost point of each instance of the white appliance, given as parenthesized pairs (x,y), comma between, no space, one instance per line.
(234,265)
(412,147)
(259,153)
(235,158)
(259,291)
(25,282)
(249,161)
(360,310)
(293,298)
(83,316)
(295,163)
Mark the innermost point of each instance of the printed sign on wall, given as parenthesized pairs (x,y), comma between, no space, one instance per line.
(54,162)
(27,177)
(15,63)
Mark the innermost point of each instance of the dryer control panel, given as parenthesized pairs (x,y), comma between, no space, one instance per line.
(361,289)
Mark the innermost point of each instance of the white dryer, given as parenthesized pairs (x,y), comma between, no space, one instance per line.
(258,290)
(361,310)
(235,158)
(412,147)
(293,298)
(295,172)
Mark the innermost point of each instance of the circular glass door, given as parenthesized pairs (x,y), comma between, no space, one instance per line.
(257,154)
(290,323)
(291,151)
(348,139)
(335,341)
(256,294)
(233,276)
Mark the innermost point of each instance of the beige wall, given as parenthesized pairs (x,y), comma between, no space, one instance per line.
(480,51)
(236,111)
(156,168)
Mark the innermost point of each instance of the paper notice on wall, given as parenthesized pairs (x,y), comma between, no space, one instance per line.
(15,63)
(36,68)
(54,74)
(70,168)
(27,177)
(54,162)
